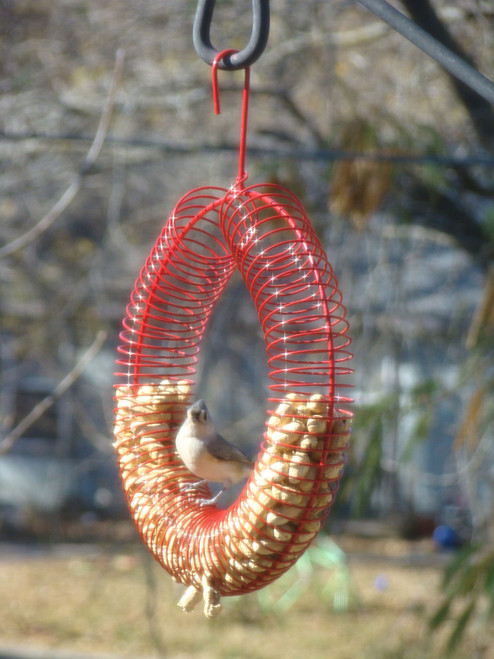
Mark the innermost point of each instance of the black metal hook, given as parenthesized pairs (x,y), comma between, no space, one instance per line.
(244,58)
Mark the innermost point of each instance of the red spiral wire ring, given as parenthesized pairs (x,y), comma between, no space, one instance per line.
(263,232)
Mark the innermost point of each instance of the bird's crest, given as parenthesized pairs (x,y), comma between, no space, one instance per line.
(199,412)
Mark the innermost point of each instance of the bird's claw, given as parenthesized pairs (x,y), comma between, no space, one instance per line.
(191,486)
(206,502)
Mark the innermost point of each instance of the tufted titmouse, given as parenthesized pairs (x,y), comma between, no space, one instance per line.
(207,454)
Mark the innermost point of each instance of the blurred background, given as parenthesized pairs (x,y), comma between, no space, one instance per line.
(106,121)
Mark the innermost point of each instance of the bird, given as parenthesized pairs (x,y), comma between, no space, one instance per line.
(207,454)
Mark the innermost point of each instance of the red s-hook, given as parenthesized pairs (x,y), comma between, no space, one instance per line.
(219,58)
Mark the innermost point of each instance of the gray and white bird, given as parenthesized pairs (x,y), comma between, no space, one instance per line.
(207,454)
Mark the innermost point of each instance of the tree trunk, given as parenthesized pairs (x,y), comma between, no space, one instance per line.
(480,111)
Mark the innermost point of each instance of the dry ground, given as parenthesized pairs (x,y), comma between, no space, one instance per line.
(124,604)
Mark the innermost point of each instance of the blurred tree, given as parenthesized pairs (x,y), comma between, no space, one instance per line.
(479,110)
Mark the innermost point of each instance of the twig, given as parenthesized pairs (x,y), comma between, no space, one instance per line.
(60,389)
(348,38)
(67,197)
(150,605)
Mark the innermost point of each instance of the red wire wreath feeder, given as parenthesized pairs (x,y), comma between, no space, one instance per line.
(263,231)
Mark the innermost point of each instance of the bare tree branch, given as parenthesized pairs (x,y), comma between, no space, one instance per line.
(64,384)
(67,197)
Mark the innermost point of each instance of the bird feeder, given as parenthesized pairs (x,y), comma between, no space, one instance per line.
(263,232)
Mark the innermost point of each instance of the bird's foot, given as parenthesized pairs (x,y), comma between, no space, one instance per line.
(191,486)
(210,502)
(206,502)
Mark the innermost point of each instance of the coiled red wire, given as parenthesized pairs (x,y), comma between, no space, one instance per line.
(263,232)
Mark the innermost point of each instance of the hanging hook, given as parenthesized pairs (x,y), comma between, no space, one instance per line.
(219,58)
(239,60)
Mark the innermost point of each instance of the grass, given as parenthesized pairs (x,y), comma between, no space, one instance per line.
(125,604)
